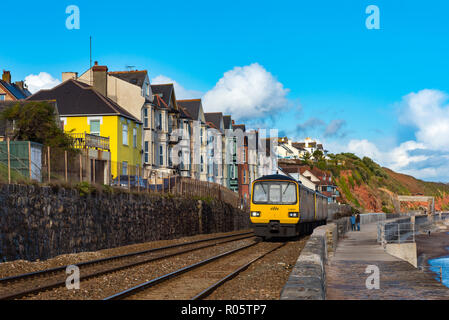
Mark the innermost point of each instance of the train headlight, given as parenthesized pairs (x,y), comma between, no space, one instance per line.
(255,214)
(293,214)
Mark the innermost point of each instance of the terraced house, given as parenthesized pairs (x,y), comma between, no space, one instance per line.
(110,135)
(198,136)
(166,115)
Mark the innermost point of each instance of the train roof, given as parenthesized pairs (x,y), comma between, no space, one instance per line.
(276,177)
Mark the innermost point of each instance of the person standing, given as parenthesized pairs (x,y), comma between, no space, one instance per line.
(352,218)
(357,221)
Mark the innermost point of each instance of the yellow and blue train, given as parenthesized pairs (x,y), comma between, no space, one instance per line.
(283,207)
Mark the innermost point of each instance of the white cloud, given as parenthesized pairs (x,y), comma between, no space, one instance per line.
(41,81)
(246,93)
(427,111)
(180,91)
(427,156)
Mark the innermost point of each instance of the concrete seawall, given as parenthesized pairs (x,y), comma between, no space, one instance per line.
(307,280)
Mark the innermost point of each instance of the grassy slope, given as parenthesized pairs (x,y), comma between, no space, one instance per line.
(366,185)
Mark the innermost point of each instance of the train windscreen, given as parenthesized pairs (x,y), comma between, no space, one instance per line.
(274,193)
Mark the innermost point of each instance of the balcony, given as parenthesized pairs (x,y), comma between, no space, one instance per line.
(90,141)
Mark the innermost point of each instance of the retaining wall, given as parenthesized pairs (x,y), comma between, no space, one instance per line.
(43,222)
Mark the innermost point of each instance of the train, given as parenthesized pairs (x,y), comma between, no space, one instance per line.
(283,207)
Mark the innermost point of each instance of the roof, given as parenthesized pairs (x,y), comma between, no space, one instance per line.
(134,77)
(15,90)
(215,118)
(227,122)
(184,113)
(77,98)
(211,125)
(193,106)
(299,145)
(164,91)
(239,126)
(276,177)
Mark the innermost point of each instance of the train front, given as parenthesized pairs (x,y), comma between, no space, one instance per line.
(275,206)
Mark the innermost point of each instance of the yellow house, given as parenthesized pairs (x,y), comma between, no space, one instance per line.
(90,116)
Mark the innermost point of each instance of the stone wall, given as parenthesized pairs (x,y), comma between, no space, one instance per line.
(307,280)
(43,222)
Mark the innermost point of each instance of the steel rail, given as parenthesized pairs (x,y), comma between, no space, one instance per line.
(59,283)
(107,259)
(203,294)
(153,282)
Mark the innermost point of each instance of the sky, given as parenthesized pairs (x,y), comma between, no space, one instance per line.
(306,68)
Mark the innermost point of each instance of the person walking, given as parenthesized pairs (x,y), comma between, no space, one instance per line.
(352,218)
(357,221)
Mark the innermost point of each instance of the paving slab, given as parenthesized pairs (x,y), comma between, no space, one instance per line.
(346,278)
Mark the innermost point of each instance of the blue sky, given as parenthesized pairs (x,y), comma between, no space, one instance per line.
(338,81)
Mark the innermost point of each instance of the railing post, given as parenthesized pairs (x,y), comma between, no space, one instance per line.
(129,178)
(138,178)
(65,165)
(93,175)
(81,168)
(49,168)
(9,160)
(29,159)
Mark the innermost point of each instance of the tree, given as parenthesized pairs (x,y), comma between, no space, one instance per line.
(318,155)
(306,156)
(37,122)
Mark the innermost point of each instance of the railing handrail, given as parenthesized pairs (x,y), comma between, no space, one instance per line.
(87,140)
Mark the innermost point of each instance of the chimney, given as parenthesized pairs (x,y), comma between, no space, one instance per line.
(19,84)
(6,76)
(69,75)
(100,78)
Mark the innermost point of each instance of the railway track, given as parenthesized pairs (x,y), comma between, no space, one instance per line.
(199,280)
(23,285)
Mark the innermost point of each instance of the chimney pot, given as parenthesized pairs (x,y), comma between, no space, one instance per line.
(19,84)
(6,76)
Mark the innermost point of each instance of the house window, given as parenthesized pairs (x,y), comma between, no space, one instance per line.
(202,164)
(146,151)
(134,137)
(145,117)
(244,176)
(124,168)
(2,97)
(160,121)
(125,134)
(95,127)
(161,155)
(232,172)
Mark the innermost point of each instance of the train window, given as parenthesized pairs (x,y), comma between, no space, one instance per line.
(260,192)
(274,193)
(288,193)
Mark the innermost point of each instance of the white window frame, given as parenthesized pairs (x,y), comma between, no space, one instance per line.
(125,138)
(146,151)
(135,137)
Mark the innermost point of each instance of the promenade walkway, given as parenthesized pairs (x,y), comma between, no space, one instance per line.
(346,277)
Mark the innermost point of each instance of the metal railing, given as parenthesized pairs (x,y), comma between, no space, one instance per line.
(392,232)
(86,140)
